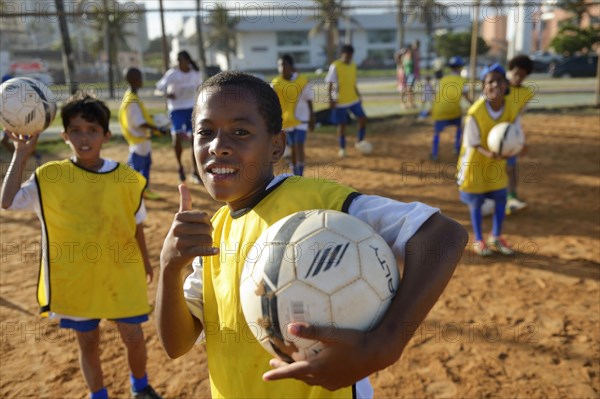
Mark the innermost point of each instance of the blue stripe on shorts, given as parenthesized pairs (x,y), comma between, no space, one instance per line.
(92,324)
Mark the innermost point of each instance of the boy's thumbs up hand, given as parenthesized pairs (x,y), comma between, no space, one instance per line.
(189,236)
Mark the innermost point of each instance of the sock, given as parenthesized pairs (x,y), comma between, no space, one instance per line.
(476,221)
(361,133)
(101,394)
(342,141)
(299,169)
(435,145)
(138,384)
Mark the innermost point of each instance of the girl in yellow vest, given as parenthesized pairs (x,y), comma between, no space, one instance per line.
(295,96)
(137,127)
(237,141)
(94,262)
(344,97)
(481,172)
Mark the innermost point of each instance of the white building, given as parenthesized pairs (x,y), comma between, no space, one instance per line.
(261,39)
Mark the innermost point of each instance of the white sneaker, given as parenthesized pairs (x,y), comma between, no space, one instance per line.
(514,205)
(342,153)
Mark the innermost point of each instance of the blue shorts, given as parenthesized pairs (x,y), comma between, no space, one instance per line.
(296,136)
(476,200)
(512,161)
(92,324)
(140,163)
(410,80)
(339,115)
(438,126)
(181,120)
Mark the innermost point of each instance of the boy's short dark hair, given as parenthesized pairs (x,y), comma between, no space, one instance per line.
(521,61)
(250,88)
(131,73)
(287,59)
(91,109)
(347,48)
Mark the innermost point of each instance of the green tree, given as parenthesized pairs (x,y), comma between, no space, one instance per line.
(571,39)
(450,44)
(330,12)
(222,32)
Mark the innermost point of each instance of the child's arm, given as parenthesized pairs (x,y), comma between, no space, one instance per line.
(189,237)
(431,256)
(12,181)
(141,240)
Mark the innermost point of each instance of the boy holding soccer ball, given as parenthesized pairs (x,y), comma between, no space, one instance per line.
(481,172)
(238,139)
(94,262)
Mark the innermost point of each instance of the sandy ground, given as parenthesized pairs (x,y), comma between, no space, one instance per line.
(520,326)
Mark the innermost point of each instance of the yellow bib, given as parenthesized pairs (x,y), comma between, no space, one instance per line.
(346,77)
(236,361)
(520,96)
(92,266)
(128,99)
(446,104)
(289,93)
(477,173)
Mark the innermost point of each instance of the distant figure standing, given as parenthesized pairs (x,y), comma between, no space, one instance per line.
(416,55)
(408,64)
(401,76)
(179,85)
(342,73)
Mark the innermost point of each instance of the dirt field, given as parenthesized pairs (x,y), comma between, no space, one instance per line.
(520,326)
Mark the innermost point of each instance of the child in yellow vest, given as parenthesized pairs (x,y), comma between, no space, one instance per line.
(137,127)
(344,97)
(237,141)
(295,96)
(94,262)
(481,172)
(446,110)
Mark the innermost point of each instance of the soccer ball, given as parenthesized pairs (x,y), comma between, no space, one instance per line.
(364,147)
(506,139)
(321,267)
(27,106)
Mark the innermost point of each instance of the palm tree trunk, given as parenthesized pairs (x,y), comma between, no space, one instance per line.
(201,53)
(400,24)
(165,48)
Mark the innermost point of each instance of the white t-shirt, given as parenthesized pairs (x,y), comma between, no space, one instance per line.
(183,84)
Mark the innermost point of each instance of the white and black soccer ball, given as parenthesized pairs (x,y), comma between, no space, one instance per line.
(321,267)
(506,139)
(364,147)
(27,106)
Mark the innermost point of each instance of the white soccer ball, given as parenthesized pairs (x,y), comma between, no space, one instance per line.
(506,139)
(321,267)
(27,106)
(364,147)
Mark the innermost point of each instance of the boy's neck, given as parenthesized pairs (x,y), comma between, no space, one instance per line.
(134,90)
(496,105)
(91,165)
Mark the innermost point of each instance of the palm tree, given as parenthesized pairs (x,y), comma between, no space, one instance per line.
(400,24)
(330,14)
(67,52)
(222,33)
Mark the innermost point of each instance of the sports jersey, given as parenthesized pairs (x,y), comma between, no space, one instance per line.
(446,105)
(212,291)
(133,114)
(92,266)
(344,75)
(293,96)
(477,173)
(520,95)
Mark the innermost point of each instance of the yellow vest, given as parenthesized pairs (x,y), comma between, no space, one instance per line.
(289,92)
(477,173)
(519,95)
(91,266)
(346,81)
(447,100)
(129,98)
(236,361)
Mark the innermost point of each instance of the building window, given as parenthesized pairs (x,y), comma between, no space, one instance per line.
(259,49)
(292,38)
(381,36)
(300,57)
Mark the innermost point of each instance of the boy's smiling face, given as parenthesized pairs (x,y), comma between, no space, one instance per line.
(85,139)
(233,148)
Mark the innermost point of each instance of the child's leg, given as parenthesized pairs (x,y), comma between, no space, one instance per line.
(511,171)
(458,138)
(132,336)
(499,198)
(438,127)
(362,128)
(474,202)
(341,131)
(89,359)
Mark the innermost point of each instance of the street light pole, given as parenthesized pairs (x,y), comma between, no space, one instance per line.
(165,49)
(473,63)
